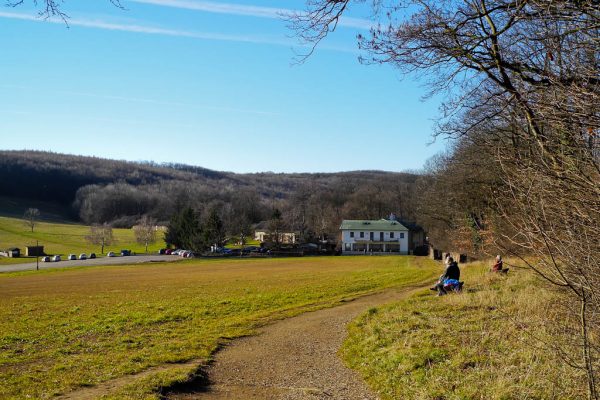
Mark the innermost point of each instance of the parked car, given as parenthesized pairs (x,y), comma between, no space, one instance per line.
(161,251)
(92,255)
(56,258)
(125,253)
(111,254)
(83,256)
(251,249)
(46,259)
(168,251)
(72,257)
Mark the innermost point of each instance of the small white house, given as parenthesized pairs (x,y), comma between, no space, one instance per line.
(374,237)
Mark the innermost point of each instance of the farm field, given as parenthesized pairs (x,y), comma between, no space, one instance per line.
(62,238)
(69,329)
(491,342)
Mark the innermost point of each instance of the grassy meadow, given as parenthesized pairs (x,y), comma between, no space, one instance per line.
(62,238)
(68,329)
(490,342)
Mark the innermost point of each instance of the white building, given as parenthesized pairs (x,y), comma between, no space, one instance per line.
(375,236)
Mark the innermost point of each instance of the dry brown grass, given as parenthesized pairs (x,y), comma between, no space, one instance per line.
(494,341)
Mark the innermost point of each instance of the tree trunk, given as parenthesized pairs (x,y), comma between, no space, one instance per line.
(587,358)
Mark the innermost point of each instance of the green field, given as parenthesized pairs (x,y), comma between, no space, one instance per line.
(62,238)
(67,329)
(490,342)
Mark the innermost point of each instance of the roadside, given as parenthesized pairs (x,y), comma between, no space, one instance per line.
(137,259)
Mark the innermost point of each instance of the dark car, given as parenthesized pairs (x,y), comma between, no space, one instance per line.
(92,255)
(125,252)
(251,249)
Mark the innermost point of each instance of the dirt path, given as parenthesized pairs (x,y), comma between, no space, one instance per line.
(294,358)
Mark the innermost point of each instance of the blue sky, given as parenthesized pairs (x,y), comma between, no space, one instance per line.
(205,83)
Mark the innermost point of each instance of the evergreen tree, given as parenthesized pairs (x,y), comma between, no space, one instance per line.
(214,232)
(184,231)
(276,227)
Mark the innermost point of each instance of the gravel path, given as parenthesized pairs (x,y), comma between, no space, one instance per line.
(291,359)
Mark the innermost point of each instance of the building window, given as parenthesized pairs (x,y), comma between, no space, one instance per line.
(391,235)
(351,234)
(371,234)
(362,234)
(401,235)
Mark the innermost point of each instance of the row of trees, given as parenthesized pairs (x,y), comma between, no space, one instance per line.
(522,83)
(313,207)
(145,232)
(120,193)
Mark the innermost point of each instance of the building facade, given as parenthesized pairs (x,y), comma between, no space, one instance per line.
(284,237)
(374,237)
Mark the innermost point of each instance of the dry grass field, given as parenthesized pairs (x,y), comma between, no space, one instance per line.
(491,342)
(63,330)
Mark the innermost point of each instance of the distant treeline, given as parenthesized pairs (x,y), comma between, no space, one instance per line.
(121,192)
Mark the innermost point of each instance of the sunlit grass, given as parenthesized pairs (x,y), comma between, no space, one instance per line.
(62,330)
(489,342)
(63,239)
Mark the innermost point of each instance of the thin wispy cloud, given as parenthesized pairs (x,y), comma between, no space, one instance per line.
(144,29)
(99,24)
(247,10)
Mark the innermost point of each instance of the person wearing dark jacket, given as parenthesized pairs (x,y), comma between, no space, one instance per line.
(451,276)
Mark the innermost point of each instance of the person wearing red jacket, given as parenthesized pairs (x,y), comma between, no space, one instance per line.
(499,265)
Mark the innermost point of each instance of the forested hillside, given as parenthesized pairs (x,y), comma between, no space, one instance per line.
(120,192)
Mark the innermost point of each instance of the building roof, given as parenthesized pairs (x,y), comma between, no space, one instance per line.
(372,225)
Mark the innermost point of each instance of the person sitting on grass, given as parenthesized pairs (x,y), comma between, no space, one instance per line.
(499,266)
(450,279)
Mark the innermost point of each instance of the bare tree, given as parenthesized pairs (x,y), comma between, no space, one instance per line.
(31,215)
(145,231)
(51,8)
(525,74)
(101,235)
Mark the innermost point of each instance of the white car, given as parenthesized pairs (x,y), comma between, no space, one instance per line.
(56,258)
(83,256)
(72,257)
(45,259)
(110,254)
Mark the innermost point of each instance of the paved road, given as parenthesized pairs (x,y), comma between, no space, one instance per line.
(97,261)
